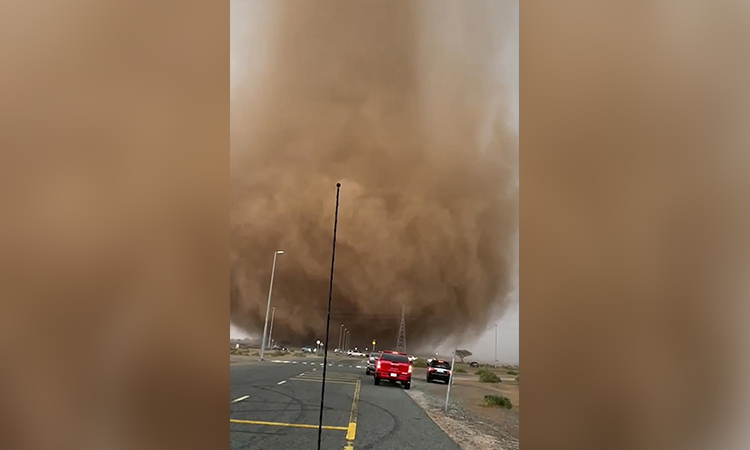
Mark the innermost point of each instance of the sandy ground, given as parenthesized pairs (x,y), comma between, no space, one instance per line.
(471,425)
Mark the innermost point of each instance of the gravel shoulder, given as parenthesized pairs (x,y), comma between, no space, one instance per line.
(471,425)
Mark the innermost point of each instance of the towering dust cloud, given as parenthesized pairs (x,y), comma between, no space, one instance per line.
(404,104)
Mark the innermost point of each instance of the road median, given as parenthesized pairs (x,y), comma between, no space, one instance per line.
(468,423)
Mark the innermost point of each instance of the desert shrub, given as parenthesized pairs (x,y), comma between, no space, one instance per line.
(512,372)
(488,377)
(518,377)
(277,353)
(483,370)
(460,370)
(300,354)
(419,363)
(497,400)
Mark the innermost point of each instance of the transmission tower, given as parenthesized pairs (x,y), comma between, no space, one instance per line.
(401,341)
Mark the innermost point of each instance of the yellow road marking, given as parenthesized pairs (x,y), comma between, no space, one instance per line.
(281,424)
(348,447)
(320,381)
(351,431)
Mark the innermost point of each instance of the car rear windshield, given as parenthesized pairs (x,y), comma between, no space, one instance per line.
(395,358)
(441,365)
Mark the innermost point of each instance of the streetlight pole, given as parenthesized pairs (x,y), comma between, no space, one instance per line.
(270,332)
(450,378)
(341,336)
(268,305)
(495,344)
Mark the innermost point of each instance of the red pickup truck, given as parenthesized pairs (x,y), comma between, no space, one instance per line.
(394,367)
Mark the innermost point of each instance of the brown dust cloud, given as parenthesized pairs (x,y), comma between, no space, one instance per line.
(403,104)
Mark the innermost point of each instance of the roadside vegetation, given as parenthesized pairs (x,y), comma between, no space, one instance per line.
(461,354)
(419,362)
(487,376)
(497,401)
(242,352)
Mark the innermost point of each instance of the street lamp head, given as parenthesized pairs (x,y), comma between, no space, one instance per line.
(280,252)
(318,342)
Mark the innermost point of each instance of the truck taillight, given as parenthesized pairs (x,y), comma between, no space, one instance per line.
(378,367)
(410,368)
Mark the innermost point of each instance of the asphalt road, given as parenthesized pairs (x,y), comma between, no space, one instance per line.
(275,406)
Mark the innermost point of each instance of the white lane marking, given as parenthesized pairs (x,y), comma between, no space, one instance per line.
(295,362)
(360,367)
(286,362)
(341,365)
(304,362)
(315,368)
(281,382)
(351,366)
(240,399)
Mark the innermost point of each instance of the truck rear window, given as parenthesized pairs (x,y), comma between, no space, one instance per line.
(441,364)
(395,358)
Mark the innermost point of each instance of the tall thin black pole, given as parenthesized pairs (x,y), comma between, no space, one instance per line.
(328,319)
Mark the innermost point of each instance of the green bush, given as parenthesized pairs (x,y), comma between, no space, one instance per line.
(488,377)
(483,370)
(518,377)
(512,372)
(460,370)
(497,400)
(419,363)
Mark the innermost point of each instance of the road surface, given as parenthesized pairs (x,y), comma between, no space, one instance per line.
(275,405)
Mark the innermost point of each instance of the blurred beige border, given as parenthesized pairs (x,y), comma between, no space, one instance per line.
(633,222)
(113,232)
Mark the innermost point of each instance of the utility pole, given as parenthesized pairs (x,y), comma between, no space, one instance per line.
(328,317)
(341,337)
(401,340)
(450,379)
